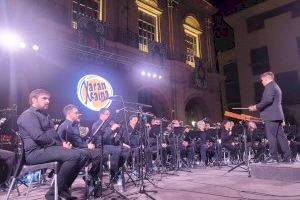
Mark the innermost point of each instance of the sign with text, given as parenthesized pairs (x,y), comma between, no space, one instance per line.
(93,92)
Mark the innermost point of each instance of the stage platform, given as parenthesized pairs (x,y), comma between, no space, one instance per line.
(211,183)
(277,171)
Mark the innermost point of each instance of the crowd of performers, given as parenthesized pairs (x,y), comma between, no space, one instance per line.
(135,146)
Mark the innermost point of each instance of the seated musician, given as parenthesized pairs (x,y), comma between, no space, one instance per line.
(155,142)
(131,138)
(201,135)
(42,144)
(175,141)
(210,141)
(227,139)
(103,134)
(187,148)
(69,132)
(254,137)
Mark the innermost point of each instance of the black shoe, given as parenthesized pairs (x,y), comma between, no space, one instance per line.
(287,161)
(50,195)
(271,161)
(66,195)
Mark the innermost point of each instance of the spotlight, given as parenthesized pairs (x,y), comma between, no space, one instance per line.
(143,73)
(35,47)
(193,123)
(159,77)
(149,74)
(154,75)
(9,40)
(22,45)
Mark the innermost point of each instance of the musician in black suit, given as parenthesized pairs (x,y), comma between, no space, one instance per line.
(42,144)
(69,132)
(270,109)
(103,133)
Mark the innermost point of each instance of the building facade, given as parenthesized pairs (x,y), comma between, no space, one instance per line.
(155,52)
(266,39)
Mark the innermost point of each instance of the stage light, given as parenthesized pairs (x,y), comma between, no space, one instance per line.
(159,77)
(143,73)
(154,75)
(149,74)
(9,40)
(193,123)
(22,45)
(35,47)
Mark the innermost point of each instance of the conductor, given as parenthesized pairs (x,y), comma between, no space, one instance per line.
(270,109)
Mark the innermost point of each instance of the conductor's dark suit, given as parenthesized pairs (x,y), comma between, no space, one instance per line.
(271,113)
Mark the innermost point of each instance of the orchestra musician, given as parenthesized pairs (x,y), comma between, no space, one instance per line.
(42,144)
(227,139)
(175,141)
(131,138)
(254,138)
(105,134)
(69,132)
(201,135)
(187,149)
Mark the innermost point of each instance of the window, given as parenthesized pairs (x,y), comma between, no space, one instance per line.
(147,31)
(259,60)
(191,48)
(88,8)
(192,33)
(148,25)
(232,88)
(258,89)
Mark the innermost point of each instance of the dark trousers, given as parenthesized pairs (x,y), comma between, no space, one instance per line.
(118,155)
(276,135)
(95,159)
(114,152)
(203,150)
(295,149)
(187,152)
(71,161)
(9,158)
(233,149)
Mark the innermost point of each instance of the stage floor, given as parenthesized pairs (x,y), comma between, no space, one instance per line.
(210,183)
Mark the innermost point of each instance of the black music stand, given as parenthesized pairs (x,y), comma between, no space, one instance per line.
(246,161)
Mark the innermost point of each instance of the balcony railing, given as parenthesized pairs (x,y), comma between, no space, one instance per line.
(94,33)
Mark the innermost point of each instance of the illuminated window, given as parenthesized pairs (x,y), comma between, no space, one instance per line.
(148,25)
(192,38)
(88,8)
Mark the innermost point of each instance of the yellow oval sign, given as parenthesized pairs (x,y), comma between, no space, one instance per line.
(93,92)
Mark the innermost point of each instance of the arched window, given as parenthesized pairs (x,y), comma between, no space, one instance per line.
(192,39)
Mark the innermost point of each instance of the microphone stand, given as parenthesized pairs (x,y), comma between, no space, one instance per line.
(142,153)
(247,153)
(159,151)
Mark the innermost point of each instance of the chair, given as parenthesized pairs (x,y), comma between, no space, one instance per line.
(22,169)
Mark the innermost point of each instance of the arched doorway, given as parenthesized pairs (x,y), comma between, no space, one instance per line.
(195,110)
(156,100)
